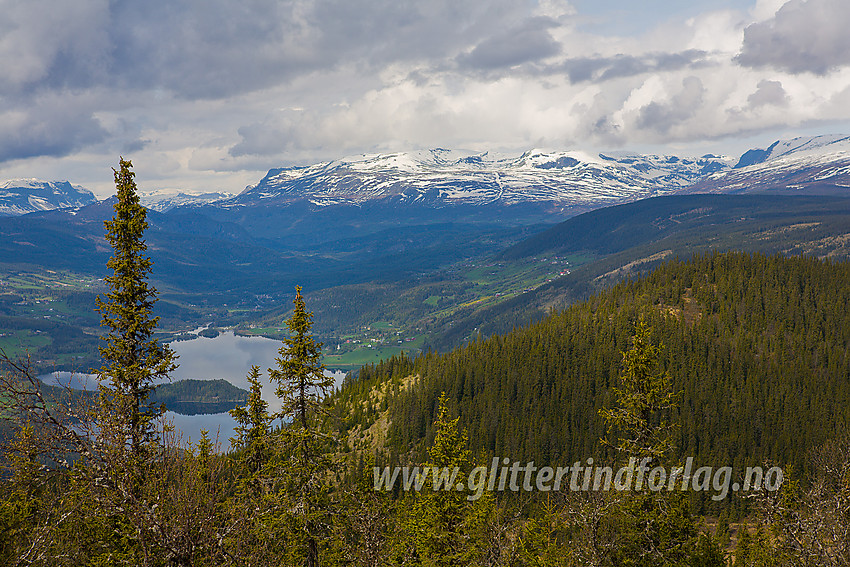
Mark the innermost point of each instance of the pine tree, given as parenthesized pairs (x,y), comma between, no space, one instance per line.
(133,359)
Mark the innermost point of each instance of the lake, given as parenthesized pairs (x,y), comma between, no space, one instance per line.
(227,356)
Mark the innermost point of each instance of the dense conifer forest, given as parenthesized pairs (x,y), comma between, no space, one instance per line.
(757,346)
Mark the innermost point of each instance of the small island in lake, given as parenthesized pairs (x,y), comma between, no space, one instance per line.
(191,397)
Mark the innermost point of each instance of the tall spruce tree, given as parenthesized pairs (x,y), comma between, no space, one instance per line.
(653,527)
(132,359)
(440,513)
(303,388)
(442,525)
(300,376)
(646,394)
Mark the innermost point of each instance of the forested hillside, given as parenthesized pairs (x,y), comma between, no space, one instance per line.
(737,359)
(758,346)
(615,242)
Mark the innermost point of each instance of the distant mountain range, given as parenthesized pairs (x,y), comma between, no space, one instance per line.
(819,165)
(553,181)
(162,201)
(571,180)
(22,196)
(376,238)
(443,177)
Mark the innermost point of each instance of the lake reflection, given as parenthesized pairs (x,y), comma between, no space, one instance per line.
(230,356)
(217,425)
(227,356)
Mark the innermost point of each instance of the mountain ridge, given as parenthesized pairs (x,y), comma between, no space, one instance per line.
(568,180)
(23,196)
(559,181)
(442,177)
(715,314)
(817,165)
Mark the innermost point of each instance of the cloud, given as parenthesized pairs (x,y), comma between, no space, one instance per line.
(208,87)
(662,116)
(606,68)
(803,36)
(215,48)
(528,42)
(52,126)
(144,60)
(50,44)
(407,115)
(768,93)
(269,137)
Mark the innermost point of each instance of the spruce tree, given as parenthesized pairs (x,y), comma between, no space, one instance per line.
(133,360)
(300,376)
(440,512)
(645,396)
(654,527)
(253,429)
(443,525)
(303,388)
(124,479)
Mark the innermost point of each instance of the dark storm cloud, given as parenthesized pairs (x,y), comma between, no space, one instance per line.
(215,48)
(583,69)
(526,43)
(803,36)
(47,129)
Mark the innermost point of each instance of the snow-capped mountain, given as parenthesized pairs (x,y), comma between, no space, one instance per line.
(812,165)
(162,201)
(22,196)
(554,181)
(439,176)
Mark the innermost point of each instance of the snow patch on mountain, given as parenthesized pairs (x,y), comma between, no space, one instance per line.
(814,165)
(440,176)
(820,146)
(22,196)
(163,201)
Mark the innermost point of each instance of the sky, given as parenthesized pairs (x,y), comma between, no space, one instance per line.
(207,95)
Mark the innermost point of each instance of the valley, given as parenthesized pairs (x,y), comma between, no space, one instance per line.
(60,326)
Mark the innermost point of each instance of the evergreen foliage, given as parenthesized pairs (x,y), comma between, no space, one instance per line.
(439,514)
(133,359)
(755,367)
(300,378)
(759,347)
(645,394)
(440,523)
(302,388)
(252,431)
(121,491)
